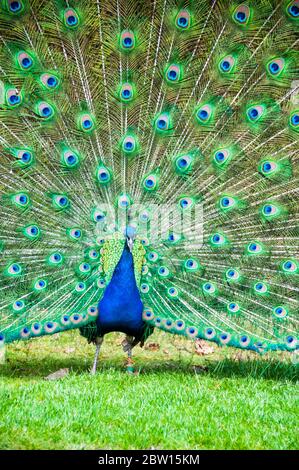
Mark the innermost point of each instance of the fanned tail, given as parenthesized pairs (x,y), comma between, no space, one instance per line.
(179,116)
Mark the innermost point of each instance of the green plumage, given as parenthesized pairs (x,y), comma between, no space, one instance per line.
(137,108)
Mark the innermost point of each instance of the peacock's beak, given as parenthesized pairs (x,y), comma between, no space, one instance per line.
(130,242)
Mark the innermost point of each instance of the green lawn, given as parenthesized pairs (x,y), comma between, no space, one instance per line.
(179,400)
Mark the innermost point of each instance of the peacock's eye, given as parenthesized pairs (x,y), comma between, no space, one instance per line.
(209,288)
(226,65)
(26,157)
(74,233)
(26,62)
(45,110)
(60,201)
(221,157)
(150,182)
(217,240)
(173,292)
(126,93)
(233,307)
(232,274)
(267,167)
(280,312)
(182,162)
(290,266)
(32,232)
(270,210)
(123,201)
(51,82)
(244,340)
(127,40)
(15,6)
(71,18)
(103,175)
(275,67)
(204,114)
(260,288)
(293,9)
(21,200)
(254,248)
(184,203)
(14,99)
(255,113)
(241,15)
(173,74)
(227,202)
(55,259)
(162,123)
(295,119)
(183,20)
(86,122)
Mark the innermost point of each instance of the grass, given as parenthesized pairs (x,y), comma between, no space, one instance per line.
(179,400)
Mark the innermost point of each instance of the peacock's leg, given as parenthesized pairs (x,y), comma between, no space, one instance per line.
(128,345)
(130,363)
(99,341)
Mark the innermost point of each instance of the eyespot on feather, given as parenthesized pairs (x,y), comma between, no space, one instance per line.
(71,18)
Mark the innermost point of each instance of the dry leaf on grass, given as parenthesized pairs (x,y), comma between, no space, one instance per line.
(203,347)
(152,346)
(59,374)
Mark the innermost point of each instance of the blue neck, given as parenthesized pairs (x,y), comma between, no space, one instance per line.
(120,308)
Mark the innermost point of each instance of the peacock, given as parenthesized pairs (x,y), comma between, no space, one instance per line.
(149,170)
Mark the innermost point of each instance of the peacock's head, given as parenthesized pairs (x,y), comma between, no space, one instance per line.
(130,233)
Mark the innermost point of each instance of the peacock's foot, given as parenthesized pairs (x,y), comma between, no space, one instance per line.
(99,341)
(130,366)
(93,371)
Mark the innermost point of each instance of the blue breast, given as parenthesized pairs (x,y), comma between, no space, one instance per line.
(120,308)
